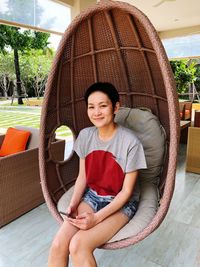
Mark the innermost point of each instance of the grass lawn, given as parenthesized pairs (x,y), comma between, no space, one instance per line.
(11,116)
(26,102)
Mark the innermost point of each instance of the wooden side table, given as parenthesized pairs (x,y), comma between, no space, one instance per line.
(184,125)
(193,150)
(197,118)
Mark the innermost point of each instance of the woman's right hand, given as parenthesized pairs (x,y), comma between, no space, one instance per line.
(72,211)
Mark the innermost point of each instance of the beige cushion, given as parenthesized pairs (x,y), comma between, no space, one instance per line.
(34,138)
(64,201)
(151,134)
(146,210)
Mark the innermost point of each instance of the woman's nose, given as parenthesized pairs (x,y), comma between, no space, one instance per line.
(97,111)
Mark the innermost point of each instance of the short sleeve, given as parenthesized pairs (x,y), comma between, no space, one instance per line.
(79,145)
(136,158)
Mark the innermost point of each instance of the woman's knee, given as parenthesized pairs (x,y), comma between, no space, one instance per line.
(79,244)
(58,247)
(75,244)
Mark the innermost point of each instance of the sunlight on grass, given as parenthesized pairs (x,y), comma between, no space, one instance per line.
(10,117)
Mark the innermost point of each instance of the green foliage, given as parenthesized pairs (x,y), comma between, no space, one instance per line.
(7,66)
(22,40)
(36,62)
(7,73)
(197,81)
(35,58)
(16,39)
(183,74)
(35,68)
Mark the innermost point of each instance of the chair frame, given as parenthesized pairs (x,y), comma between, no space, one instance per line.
(60,109)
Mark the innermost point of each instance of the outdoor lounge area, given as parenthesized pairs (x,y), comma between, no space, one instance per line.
(116,43)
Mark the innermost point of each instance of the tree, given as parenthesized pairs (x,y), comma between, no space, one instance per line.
(35,68)
(197,80)
(5,84)
(20,40)
(183,74)
(7,73)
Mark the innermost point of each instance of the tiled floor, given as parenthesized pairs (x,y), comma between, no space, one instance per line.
(26,241)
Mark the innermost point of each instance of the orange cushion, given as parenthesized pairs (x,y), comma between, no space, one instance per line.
(187,112)
(15,141)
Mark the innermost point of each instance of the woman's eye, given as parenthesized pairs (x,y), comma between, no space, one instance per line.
(103,106)
(90,107)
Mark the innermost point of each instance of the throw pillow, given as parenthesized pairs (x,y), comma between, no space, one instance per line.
(15,141)
(150,132)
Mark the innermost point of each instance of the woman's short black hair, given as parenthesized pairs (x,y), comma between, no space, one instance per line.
(104,87)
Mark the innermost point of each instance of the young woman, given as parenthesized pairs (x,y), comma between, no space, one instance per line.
(105,196)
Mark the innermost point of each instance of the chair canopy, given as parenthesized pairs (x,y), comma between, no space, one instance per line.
(109,42)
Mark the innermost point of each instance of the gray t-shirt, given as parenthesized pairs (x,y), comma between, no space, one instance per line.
(108,162)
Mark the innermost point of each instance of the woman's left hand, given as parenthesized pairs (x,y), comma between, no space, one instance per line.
(84,221)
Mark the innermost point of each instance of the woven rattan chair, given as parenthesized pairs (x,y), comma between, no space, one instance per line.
(114,42)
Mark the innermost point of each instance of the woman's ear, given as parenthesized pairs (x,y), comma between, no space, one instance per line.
(117,106)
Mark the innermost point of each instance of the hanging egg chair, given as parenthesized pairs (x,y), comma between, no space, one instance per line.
(112,42)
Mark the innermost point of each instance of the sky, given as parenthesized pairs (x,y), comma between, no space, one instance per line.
(183,46)
(54,40)
(53,16)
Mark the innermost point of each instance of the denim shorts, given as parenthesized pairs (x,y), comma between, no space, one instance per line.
(97,202)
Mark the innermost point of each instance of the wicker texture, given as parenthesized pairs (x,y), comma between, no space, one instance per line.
(114,42)
(20,189)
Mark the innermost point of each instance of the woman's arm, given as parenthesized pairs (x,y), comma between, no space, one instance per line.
(121,198)
(79,187)
(88,220)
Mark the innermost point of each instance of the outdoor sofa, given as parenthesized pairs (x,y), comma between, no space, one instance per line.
(20,189)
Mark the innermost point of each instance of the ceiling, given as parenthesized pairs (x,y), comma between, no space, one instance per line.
(170,14)
(170,17)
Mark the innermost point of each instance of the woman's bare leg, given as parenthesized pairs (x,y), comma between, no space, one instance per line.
(59,251)
(84,242)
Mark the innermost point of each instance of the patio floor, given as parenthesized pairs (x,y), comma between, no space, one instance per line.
(25,242)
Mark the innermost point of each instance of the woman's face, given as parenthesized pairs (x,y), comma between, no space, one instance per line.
(100,110)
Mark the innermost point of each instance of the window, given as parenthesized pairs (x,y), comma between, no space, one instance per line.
(43,14)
